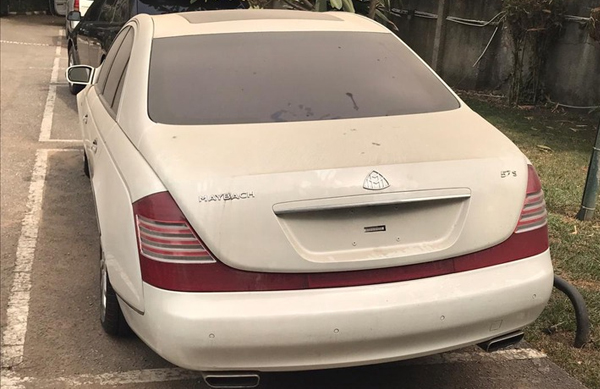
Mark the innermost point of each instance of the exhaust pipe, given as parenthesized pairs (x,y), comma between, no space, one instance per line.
(502,341)
(231,380)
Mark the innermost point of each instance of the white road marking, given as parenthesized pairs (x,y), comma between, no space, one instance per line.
(17,312)
(13,381)
(24,43)
(46,127)
(176,374)
(457,357)
(13,337)
(78,141)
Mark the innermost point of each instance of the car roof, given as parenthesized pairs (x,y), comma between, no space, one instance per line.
(246,21)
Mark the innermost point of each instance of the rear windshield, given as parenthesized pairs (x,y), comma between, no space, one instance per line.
(157,7)
(288,76)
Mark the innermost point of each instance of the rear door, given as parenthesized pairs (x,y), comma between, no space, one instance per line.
(113,203)
(97,115)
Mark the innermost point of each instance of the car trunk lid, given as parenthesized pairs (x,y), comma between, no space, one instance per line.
(343,194)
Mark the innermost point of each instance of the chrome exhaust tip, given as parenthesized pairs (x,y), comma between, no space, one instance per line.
(502,341)
(231,380)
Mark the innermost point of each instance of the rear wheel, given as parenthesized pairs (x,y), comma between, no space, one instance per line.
(111,317)
(74,89)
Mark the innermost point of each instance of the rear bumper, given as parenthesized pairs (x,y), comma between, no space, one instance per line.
(338,327)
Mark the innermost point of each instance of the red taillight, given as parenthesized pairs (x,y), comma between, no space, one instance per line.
(164,234)
(76,5)
(534,214)
(173,257)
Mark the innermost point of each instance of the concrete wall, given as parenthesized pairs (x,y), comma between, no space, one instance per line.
(573,67)
(573,71)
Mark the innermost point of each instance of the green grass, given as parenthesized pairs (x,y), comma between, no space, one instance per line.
(559,145)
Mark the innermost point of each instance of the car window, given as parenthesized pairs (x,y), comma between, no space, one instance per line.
(117,69)
(110,58)
(93,13)
(122,11)
(107,11)
(265,77)
(156,7)
(117,99)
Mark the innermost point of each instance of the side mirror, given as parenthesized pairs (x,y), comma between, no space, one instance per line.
(74,16)
(80,74)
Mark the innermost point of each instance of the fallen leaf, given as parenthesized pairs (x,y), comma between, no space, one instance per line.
(544,148)
(574,230)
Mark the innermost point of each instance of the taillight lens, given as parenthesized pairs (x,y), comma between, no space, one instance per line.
(534,214)
(164,234)
(76,5)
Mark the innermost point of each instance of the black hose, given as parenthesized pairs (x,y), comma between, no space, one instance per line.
(582,335)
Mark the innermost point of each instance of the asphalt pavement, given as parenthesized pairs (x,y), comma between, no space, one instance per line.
(51,334)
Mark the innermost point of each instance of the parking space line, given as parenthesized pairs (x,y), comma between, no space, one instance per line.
(176,374)
(78,141)
(46,127)
(24,43)
(13,337)
(458,357)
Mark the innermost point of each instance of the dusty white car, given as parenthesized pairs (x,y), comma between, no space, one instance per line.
(280,190)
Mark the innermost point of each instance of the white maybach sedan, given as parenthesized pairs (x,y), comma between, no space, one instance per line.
(283,190)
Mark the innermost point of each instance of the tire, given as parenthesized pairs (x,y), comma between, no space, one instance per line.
(86,165)
(111,317)
(74,89)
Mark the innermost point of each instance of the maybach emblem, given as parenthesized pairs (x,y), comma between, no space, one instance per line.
(375,181)
(226,197)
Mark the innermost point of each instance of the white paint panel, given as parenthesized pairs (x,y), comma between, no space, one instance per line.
(114,207)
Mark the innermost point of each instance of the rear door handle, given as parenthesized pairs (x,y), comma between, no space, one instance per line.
(94,146)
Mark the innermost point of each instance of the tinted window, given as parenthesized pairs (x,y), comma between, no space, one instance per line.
(110,58)
(107,11)
(290,76)
(122,11)
(115,104)
(155,7)
(93,13)
(117,69)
